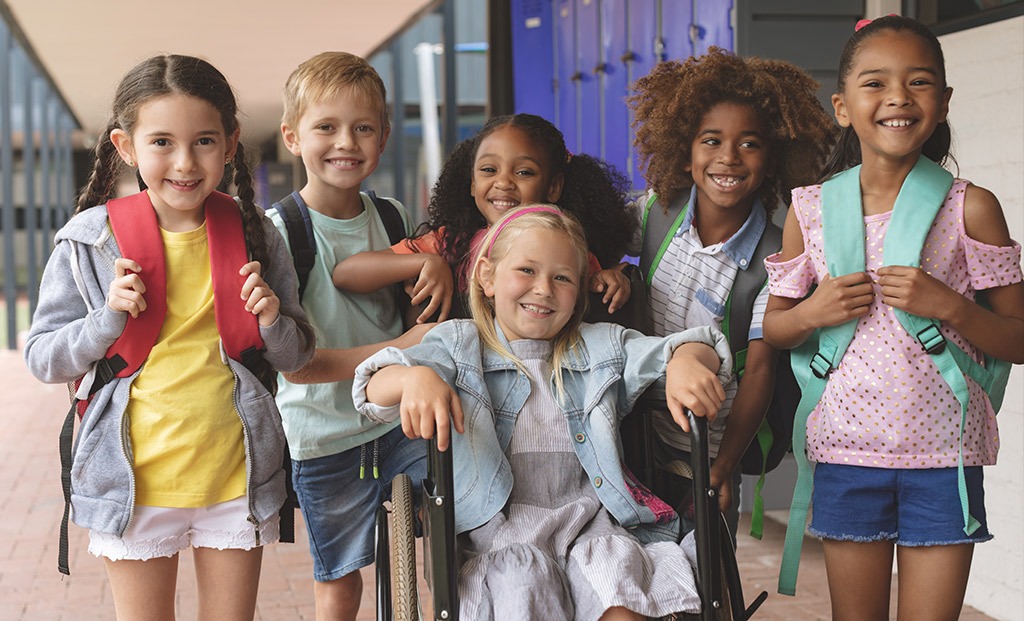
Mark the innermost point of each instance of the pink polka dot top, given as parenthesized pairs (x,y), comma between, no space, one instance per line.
(886,405)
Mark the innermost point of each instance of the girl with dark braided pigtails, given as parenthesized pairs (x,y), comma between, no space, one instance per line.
(184,449)
(513,161)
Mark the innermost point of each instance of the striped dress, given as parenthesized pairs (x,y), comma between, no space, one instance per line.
(554,552)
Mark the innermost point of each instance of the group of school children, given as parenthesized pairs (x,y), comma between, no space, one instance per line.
(473,328)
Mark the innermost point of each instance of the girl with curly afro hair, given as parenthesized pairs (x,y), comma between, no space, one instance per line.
(723,140)
(512,161)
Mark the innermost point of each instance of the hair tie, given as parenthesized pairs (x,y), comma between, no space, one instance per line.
(864,22)
(516,214)
(568,155)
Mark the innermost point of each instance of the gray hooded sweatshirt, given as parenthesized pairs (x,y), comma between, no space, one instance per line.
(72,329)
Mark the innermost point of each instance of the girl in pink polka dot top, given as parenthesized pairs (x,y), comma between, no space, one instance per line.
(886,434)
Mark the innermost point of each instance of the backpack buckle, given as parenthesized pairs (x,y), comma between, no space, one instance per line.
(931,339)
(820,366)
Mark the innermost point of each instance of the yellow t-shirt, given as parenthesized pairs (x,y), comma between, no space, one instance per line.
(186,436)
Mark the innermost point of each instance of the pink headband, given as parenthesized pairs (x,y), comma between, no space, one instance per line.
(516,214)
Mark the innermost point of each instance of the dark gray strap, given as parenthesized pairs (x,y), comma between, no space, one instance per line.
(295,215)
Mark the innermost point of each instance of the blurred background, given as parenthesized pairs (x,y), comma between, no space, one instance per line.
(449,65)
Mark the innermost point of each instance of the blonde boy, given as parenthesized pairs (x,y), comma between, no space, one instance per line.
(335,119)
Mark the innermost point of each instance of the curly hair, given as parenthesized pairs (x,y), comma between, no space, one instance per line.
(846,153)
(592,191)
(671,101)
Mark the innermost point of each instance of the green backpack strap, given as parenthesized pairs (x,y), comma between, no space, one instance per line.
(813,360)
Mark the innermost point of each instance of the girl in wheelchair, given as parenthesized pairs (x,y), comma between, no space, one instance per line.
(551,525)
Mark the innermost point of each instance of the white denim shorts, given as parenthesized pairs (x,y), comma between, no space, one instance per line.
(163,531)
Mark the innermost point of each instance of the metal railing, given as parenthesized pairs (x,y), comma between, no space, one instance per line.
(36,174)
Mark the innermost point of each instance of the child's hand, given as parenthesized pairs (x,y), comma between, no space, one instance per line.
(126,289)
(429,404)
(434,282)
(722,481)
(615,286)
(838,300)
(692,384)
(259,299)
(911,289)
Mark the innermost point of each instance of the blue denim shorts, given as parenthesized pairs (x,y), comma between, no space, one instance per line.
(911,507)
(339,508)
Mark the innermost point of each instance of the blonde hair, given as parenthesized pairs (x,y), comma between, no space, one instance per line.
(496,245)
(325,76)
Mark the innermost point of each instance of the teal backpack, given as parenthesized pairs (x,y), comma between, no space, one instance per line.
(917,205)
(772,441)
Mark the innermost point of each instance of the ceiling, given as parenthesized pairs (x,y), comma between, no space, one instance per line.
(87,45)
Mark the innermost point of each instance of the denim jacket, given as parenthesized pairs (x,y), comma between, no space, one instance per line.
(603,378)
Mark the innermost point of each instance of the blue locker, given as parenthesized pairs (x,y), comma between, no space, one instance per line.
(566,71)
(590,80)
(532,56)
(591,51)
(617,139)
(643,45)
(714,26)
(676,18)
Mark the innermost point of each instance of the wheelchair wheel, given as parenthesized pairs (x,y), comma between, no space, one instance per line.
(404,596)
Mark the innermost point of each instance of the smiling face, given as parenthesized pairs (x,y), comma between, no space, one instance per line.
(729,158)
(511,170)
(535,285)
(894,96)
(180,146)
(340,140)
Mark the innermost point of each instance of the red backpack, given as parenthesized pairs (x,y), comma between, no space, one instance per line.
(133,221)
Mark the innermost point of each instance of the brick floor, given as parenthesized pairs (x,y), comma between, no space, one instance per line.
(32,590)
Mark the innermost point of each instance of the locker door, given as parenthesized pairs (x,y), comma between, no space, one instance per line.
(566,69)
(589,80)
(713,19)
(641,55)
(617,134)
(533,57)
(676,16)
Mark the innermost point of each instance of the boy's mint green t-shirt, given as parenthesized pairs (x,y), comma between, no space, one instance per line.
(319,419)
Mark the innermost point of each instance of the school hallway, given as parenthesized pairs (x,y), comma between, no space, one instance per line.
(31,589)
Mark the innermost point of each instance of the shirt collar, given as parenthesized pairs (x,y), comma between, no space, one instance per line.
(740,247)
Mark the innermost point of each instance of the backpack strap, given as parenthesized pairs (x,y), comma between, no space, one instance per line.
(389,216)
(295,215)
(137,232)
(658,227)
(739,313)
(815,358)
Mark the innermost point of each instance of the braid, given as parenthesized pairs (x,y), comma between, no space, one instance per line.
(100,186)
(256,242)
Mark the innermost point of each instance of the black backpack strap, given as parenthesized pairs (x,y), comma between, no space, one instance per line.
(659,225)
(745,289)
(389,215)
(67,434)
(295,215)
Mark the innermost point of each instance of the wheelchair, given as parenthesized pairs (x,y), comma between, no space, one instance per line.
(718,579)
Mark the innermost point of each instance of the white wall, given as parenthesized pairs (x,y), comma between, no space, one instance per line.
(985,67)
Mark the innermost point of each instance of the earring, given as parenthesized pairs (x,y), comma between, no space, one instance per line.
(227,161)
(131,163)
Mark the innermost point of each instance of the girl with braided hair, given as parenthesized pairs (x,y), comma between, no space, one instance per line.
(723,139)
(187,451)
